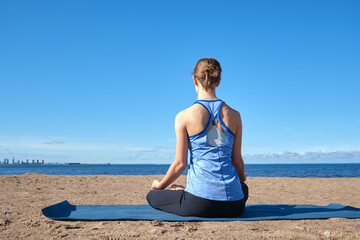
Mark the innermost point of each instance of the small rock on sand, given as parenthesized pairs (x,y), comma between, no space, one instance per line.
(4,222)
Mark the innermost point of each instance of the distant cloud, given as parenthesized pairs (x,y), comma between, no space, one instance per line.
(305,157)
(148,149)
(140,149)
(285,130)
(54,142)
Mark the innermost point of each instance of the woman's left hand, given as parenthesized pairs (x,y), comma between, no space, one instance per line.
(155,185)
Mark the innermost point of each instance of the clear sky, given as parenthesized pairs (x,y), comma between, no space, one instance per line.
(102,81)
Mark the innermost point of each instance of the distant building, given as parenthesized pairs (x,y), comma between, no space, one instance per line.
(27,161)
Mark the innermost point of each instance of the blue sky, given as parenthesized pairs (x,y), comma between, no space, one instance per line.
(102,81)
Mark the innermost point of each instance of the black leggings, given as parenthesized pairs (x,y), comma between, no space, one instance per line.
(186,204)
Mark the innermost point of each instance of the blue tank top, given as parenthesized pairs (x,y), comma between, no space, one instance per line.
(211,174)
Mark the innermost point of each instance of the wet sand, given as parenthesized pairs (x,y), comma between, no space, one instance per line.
(23,196)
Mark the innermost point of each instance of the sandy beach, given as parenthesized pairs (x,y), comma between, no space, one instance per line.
(23,196)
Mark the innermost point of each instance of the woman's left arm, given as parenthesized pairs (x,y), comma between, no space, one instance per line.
(180,162)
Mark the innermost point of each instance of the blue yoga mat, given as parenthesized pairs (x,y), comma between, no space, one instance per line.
(65,211)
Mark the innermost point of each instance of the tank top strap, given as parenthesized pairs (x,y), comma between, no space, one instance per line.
(204,105)
(217,110)
(212,107)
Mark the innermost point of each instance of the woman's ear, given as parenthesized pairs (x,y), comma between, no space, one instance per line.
(195,81)
(218,83)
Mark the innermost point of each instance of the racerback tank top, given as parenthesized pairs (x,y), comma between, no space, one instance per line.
(211,174)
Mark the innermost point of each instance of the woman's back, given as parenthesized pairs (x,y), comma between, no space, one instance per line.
(211,174)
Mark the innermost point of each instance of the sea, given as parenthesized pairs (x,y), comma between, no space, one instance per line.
(348,170)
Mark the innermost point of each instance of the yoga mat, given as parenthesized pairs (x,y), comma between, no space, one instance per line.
(65,211)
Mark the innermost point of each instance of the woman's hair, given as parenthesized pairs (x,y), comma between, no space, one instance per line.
(208,72)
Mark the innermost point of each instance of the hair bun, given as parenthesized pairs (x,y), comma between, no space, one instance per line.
(210,69)
(212,72)
(208,72)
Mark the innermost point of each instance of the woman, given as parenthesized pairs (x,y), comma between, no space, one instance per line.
(212,132)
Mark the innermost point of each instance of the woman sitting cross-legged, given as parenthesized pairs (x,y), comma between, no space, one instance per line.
(212,132)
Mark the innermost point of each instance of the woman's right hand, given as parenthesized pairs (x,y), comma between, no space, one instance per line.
(155,185)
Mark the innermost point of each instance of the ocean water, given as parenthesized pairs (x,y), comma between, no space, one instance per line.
(252,170)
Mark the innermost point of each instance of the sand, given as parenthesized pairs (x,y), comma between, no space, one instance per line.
(23,196)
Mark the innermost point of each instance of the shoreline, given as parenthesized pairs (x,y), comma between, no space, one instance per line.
(23,196)
(252,170)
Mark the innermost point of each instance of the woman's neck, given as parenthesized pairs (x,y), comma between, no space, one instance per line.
(207,95)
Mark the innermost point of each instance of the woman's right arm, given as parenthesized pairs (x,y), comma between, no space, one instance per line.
(237,159)
(180,162)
